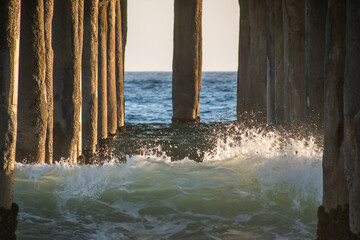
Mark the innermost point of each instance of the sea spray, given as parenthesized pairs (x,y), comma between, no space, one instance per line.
(246,183)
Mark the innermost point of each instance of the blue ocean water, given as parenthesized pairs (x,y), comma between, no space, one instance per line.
(217,179)
(148,97)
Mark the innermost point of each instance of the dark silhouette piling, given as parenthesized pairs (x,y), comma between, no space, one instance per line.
(187,60)
(243,83)
(294,57)
(352,112)
(315,26)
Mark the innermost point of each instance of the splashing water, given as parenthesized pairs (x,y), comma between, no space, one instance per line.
(248,184)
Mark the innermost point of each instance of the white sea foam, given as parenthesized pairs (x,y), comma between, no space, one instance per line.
(248,178)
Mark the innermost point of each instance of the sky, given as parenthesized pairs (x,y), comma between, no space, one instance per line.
(150,35)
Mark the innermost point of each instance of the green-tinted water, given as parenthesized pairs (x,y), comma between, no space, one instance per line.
(244,184)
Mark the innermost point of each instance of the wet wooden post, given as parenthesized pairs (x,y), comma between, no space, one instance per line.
(243,83)
(32,110)
(90,78)
(278,63)
(67,80)
(119,69)
(187,60)
(111,68)
(252,59)
(9,73)
(257,61)
(352,112)
(102,81)
(335,193)
(294,57)
(270,62)
(49,61)
(315,26)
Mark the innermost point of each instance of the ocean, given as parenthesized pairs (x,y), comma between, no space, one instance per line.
(217,179)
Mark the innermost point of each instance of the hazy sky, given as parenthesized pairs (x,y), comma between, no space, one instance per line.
(150,35)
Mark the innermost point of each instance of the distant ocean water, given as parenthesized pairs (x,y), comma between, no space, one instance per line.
(217,179)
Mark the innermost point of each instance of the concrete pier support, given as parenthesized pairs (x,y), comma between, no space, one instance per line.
(315,26)
(294,60)
(187,60)
(49,62)
(352,112)
(9,74)
(67,80)
(111,68)
(32,110)
(119,69)
(102,82)
(90,77)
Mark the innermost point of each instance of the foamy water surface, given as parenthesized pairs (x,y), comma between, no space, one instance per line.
(249,184)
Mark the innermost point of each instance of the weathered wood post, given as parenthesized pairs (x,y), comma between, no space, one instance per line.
(124,27)
(279,63)
(294,57)
(243,84)
(9,74)
(119,69)
(90,78)
(49,61)
(335,193)
(315,28)
(111,68)
(352,112)
(252,59)
(257,61)
(67,80)
(270,61)
(187,60)
(102,81)
(32,110)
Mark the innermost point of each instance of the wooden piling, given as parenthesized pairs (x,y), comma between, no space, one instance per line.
(187,60)
(90,78)
(32,110)
(9,74)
